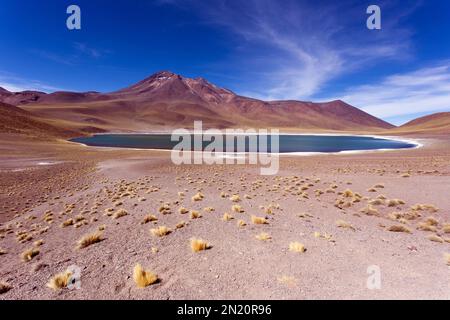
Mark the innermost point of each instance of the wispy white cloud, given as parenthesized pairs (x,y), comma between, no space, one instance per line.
(14,83)
(85,49)
(297,47)
(425,90)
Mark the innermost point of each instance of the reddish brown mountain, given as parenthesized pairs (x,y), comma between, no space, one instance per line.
(14,120)
(438,123)
(166,100)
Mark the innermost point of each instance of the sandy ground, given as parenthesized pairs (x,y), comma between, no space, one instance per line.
(43,185)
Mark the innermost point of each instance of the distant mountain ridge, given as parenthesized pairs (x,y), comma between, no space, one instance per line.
(167,100)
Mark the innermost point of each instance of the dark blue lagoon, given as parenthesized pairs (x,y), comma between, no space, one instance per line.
(287,143)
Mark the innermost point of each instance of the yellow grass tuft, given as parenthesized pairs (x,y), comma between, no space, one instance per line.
(29,254)
(160,231)
(195,214)
(109,212)
(426,227)
(120,213)
(67,223)
(241,223)
(237,208)
(259,220)
(4,287)
(345,225)
(143,278)
(235,198)
(180,225)
(376,202)
(369,210)
(431,221)
(199,245)
(149,218)
(90,239)
(446,228)
(38,243)
(3,251)
(60,280)
(395,202)
(183,210)
(348,193)
(447,258)
(198,197)
(399,228)
(297,247)
(263,236)
(435,238)
(227,217)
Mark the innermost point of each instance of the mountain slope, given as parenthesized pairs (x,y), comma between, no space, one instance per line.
(14,120)
(166,100)
(434,123)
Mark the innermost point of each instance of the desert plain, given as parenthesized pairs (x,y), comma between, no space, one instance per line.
(347,212)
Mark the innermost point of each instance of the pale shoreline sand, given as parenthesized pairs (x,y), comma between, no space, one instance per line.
(238,266)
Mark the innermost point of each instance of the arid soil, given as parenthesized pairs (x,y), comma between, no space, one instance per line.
(341,208)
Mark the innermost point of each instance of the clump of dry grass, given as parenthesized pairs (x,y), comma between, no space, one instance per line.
(259,220)
(424,207)
(435,238)
(406,175)
(4,287)
(198,197)
(90,239)
(109,212)
(431,221)
(241,223)
(369,210)
(68,222)
(38,243)
(423,226)
(447,258)
(263,236)
(446,228)
(60,281)
(180,225)
(297,247)
(183,210)
(227,217)
(399,228)
(395,202)
(348,193)
(195,214)
(3,251)
(199,245)
(164,209)
(160,231)
(345,225)
(149,218)
(29,254)
(120,213)
(376,202)
(143,278)
(237,208)
(235,198)
(209,209)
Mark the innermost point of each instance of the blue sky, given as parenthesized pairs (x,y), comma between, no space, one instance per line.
(306,50)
